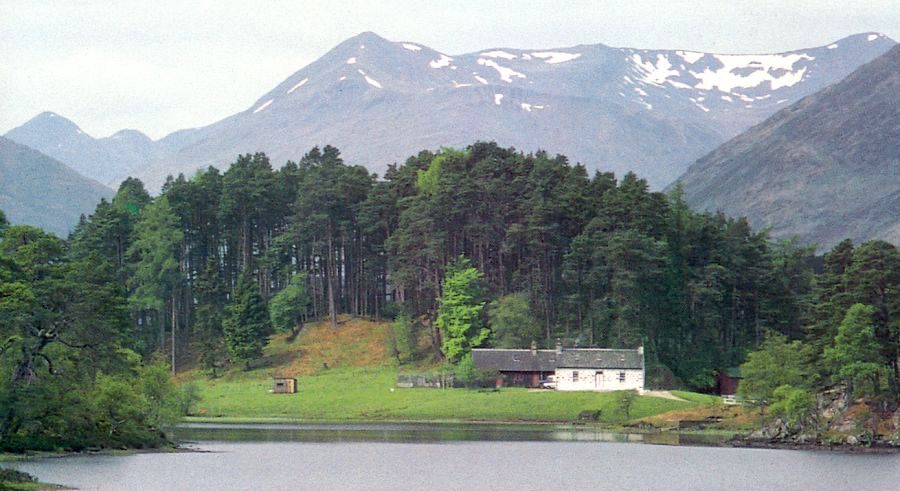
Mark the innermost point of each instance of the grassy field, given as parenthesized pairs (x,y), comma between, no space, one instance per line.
(359,385)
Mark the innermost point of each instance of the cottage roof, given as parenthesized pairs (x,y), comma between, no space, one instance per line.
(548,360)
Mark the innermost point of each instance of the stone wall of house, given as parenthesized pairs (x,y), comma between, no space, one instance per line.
(599,380)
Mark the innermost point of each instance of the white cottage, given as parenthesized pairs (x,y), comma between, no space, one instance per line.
(572,368)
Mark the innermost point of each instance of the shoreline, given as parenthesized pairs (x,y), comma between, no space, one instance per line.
(879,449)
(730,438)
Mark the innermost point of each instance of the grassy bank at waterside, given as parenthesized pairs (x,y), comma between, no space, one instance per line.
(345,375)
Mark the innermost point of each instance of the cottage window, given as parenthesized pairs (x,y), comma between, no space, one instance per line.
(575,376)
(621,377)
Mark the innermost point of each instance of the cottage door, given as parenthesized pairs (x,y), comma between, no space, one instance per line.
(598,380)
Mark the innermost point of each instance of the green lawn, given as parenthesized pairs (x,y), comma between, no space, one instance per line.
(359,385)
(358,394)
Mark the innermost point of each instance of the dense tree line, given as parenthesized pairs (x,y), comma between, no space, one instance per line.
(70,375)
(599,261)
(482,246)
(851,337)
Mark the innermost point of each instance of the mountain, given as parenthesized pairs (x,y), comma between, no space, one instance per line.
(38,190)
(823,169)
(108,160)
(621,109)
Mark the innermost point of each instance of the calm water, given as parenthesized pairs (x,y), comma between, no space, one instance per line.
(384,456)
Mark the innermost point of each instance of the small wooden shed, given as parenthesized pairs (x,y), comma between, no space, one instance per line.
(728,381)
(285,385)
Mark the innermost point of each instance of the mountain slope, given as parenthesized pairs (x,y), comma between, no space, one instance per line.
(621,109)
(824,169)
(108,160)
(38,190)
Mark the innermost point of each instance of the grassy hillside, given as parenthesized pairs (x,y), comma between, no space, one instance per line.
(359,384)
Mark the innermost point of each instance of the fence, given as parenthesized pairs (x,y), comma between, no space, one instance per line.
(437,381)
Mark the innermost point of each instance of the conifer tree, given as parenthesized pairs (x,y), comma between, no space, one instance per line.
(246,325)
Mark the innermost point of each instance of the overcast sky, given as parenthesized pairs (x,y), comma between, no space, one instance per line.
(167,65)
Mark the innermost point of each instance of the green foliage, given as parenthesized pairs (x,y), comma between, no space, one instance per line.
(703,379)
(403,338)
(155,268)
(246,326)
(553,253)
(511,322)
(288,307)
(794,404)
(626,400)
(127,408)
(777,362)
(855,358)
(471,376)
(459,310)
(209,343)
(13,476)
(428,180)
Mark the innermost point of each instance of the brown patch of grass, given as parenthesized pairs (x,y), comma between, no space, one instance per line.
(732,416)
(355,343)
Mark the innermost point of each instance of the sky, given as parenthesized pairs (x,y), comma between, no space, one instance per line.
(166,65)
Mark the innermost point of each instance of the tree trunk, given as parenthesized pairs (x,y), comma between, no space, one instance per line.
(174,323)
(332,314)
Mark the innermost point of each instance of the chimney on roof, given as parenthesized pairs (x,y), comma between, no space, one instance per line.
(533,348)
(559,347)
(640,350)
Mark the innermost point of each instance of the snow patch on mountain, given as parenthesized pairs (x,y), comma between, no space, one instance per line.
(481,79)
(871,37)
(655,74)
(373,82)
(299,84)
(441,62)
(506,74)
(498,98)
(730,75)
(528,107)
(351,60)
(499,54)
(690,57)
(263,106)
(412,47)
(832,46)
(554,57)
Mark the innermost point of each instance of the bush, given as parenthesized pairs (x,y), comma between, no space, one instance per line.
(403,338)
(471,376)
(792,404)
(626,400)
(14,476)
(190,395)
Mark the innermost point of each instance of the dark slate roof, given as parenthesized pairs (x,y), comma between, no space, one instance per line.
(548,360)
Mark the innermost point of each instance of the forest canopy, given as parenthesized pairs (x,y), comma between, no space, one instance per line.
(487,245)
